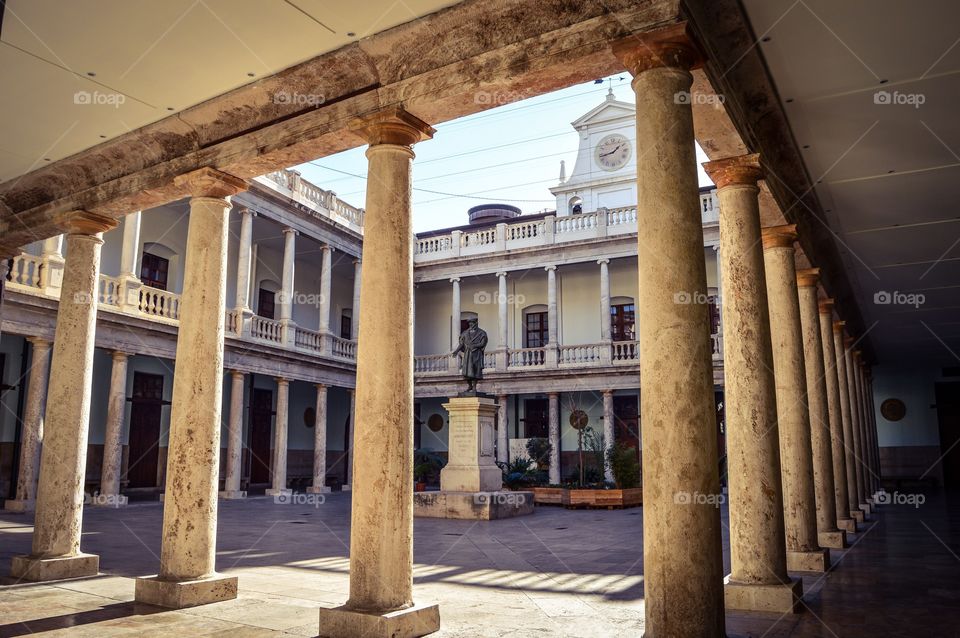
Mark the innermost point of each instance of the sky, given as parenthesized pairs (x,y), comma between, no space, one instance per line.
(509,154)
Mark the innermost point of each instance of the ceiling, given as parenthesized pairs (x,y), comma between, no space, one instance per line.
(89,70)
(871,90)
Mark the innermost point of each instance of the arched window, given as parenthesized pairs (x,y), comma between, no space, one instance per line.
(575,205)
(157,265)
(267,298)
(466,316)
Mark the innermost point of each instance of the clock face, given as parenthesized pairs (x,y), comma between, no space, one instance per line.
(613,152)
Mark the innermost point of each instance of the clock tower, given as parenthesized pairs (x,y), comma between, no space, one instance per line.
(605,172)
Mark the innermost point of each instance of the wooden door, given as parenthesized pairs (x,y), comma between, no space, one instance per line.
(261,419)
(626,421)
(144,444)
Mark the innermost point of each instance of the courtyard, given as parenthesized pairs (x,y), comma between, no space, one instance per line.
(557,573)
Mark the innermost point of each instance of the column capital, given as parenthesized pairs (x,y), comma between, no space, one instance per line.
(825,306)
(39,342)
(392,125)
(847,342)
(287,229)
(209,182)
(82,222)
(603,261)
(553,395)
(550,267)
(672,46)
(356,261)
(808,277)
(607,393)
(742,170)
(281,381)
(326,247)
(502,273)
(857,354)
(454,280)
(320,386)
(246,210)
(779,236)
(119,355)
(237,374)
(838,326)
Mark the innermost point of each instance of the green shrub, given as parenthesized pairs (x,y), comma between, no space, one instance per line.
(539,450)
(624,465)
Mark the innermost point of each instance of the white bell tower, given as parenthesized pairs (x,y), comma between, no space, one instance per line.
(605,172)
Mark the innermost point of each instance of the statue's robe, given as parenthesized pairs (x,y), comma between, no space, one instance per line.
(473,341)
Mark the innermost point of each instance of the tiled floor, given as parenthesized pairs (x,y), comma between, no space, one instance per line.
(557,573)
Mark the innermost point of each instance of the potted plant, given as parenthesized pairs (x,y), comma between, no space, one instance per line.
(426,465)
(421,472)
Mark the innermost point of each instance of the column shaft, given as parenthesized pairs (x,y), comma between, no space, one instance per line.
(604,299)
(32,433)
(130,252)
(609,431)
(553,412)
(112,444)
(551,305)
(325,281)
(838,456)
(674,348)
(279,466)
(287,283)
(758,579)
(820,439)
(503,431)
(231,482)
(853,503)
(793,418)
(189,537)
(454,312)
(355,311)
(245,259)
(855,424)
(320,443)
(502,310)
(63,457)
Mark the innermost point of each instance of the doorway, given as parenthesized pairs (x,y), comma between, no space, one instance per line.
(948,417)
(626,419)
(146,406)
(261,421)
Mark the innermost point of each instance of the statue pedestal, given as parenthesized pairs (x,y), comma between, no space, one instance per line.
(471,482)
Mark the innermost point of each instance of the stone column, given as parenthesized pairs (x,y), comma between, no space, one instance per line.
(326,264)
(130,252)
(355,310)
(551,354)
(231,482)
(287,283)
(53,246)
(56,551)
(320,444)
(348,444)
(32,434)
(875,443)
(245,261)
(758,579)
(503,432)
(381,532)
(454,312)
(838,456)
(112,444)
(189,540)
(796,454)
(850,461)
(719,352)
(604,300)
(502,347)
(865,460)
(553,423)
(609,433)
(674,346)
(820,438)
(855,426)
(278,468)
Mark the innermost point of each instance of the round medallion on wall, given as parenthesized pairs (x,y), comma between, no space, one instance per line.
(612,152)
(435,422)
(579,419)
(893,409)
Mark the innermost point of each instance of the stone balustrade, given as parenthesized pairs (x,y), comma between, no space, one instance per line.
(545,231)
(322,203)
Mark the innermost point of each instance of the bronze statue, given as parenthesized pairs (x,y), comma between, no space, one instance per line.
(473,341)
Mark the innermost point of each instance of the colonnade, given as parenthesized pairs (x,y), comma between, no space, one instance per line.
(784,513)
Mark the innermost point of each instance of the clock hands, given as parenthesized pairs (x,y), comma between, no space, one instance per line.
(611,152)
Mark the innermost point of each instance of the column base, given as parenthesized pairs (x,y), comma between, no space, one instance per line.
(178,594)
(857,515)
(231,495)
(865,509)
(780,598)
(412,622)
(817,560)
(323,489)
(284,492)
(847,525)
(20,506)
(34,569)
(832,540)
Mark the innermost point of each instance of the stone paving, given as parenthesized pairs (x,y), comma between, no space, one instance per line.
(556,573)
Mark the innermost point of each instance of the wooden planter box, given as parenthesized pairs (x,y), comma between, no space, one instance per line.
(551,496)
(630,497)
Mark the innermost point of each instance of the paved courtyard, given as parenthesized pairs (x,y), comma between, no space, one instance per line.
(556,573)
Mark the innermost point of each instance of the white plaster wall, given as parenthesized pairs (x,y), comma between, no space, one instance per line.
(12,347)
(916,388)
